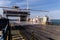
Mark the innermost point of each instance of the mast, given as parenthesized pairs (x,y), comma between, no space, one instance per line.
(27,5)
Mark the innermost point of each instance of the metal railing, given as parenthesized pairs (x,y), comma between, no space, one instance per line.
(5,31)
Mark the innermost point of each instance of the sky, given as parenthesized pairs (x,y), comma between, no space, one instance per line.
(53,6)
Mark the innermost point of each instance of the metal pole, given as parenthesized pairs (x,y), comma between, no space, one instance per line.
(9,31)
(27,4)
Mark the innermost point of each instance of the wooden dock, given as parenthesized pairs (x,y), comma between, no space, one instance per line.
(36,32)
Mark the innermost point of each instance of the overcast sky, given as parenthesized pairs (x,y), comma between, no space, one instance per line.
(53,6)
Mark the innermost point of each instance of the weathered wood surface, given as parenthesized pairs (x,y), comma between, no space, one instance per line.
(47,32)
(40,32)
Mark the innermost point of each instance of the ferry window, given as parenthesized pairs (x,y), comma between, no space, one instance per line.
(23,18)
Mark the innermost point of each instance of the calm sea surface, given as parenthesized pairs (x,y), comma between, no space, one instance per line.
(55,21)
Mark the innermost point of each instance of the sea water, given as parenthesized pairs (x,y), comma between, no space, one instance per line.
(55,21)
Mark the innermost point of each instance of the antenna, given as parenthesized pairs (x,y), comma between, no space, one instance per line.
(27,5)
